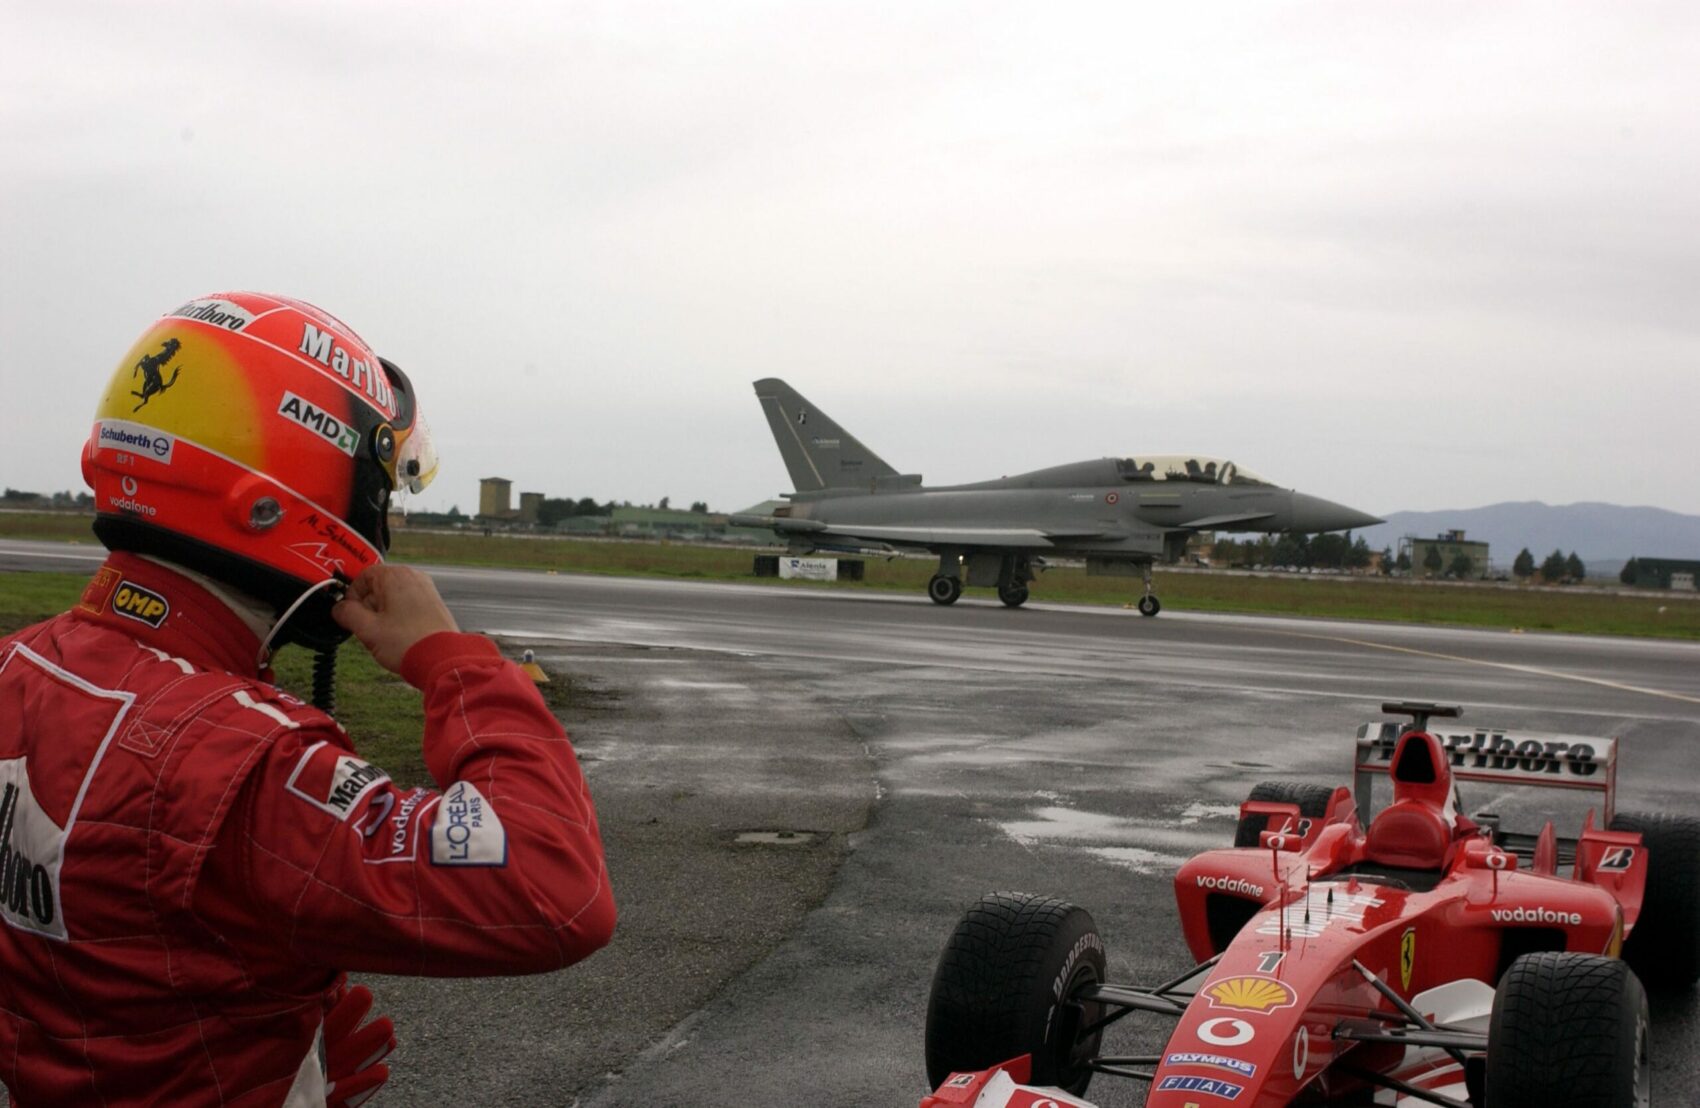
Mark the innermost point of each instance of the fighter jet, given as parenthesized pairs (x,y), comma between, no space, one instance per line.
(1119,514)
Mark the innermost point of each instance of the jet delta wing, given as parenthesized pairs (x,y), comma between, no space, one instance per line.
(1120,514)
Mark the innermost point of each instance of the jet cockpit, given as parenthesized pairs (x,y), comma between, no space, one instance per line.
(1193,468)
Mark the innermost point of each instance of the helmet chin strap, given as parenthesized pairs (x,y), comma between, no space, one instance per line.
(265,656)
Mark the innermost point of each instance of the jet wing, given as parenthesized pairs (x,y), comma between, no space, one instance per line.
(1015,538)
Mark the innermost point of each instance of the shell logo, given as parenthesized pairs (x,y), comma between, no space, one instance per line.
(1251,994)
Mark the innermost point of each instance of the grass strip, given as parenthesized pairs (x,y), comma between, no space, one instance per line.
(381,712)
(1578,609)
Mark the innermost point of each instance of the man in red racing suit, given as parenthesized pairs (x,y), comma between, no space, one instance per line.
(190,858)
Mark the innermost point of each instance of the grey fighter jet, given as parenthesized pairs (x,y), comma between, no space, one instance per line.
(1119,514)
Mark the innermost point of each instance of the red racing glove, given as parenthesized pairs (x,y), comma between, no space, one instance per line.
(354,1054)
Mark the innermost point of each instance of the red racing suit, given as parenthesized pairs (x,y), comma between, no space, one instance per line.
(190,857)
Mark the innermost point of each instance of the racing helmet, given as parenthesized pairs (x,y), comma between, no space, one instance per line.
(258,440)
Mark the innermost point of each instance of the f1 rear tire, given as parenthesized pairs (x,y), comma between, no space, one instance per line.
(1664,945)
(1005,986)
(1568,1031)
(1311,799)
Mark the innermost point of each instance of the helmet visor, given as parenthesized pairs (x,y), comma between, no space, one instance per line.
(416,456)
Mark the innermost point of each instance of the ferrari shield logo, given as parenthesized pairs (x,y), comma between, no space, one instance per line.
(1407,958)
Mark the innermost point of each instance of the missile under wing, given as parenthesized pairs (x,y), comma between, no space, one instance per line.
(1120,514)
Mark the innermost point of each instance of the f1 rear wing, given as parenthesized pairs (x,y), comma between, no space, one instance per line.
(1500,757)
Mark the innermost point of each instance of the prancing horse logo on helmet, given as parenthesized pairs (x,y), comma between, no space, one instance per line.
(149,366)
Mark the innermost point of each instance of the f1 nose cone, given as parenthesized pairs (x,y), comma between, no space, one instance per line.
(1312,513)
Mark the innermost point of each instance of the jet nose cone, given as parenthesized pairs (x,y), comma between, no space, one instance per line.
(1312,513)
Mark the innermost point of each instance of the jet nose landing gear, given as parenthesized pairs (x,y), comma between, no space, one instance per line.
(1149,605)
(944,590)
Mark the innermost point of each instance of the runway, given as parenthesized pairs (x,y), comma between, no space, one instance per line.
(934,754)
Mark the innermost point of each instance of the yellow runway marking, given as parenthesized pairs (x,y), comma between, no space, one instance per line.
(1537,671)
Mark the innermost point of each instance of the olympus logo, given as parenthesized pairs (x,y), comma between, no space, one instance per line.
(1231,885)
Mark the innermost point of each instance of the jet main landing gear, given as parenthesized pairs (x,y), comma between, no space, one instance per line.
(1013,577)
(944,590)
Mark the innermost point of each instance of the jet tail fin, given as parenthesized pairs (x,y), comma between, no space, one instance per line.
(819,453)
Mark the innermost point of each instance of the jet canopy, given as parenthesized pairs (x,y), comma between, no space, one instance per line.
(1194,468)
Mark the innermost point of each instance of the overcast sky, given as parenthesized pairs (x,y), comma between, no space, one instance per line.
(1400,255)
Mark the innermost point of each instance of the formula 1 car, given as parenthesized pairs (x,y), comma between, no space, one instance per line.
(1350,963)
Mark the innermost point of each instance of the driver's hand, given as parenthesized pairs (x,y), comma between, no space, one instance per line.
(389,608)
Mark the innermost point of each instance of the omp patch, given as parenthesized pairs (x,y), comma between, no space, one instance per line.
(132,601)
(333,780)
(467,831)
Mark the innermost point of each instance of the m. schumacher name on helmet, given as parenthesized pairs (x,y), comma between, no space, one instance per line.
(333,780)
(219,313)
(320,422)
(322,347)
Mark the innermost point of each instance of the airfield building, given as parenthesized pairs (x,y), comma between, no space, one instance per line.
(1666,573)
(1449,544)
(494,497)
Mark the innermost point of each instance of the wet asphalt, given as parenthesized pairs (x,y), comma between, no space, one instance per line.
(923,756)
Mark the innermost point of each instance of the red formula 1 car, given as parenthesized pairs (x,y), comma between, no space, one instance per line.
(1421,958)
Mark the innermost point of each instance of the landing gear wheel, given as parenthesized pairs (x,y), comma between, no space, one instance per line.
(992,995)
(944,590)
(1013,595)
(1546,1007)
(1664,945)
(1149,605)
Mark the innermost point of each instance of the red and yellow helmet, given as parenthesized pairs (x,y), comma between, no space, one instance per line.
(258,440)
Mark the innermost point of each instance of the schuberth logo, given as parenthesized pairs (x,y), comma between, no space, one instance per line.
(142,605)
(151,367)
(133,439)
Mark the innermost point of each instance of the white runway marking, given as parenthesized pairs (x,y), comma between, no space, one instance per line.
(1536,671)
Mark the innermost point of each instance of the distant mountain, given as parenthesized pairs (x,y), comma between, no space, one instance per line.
(1604,536)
